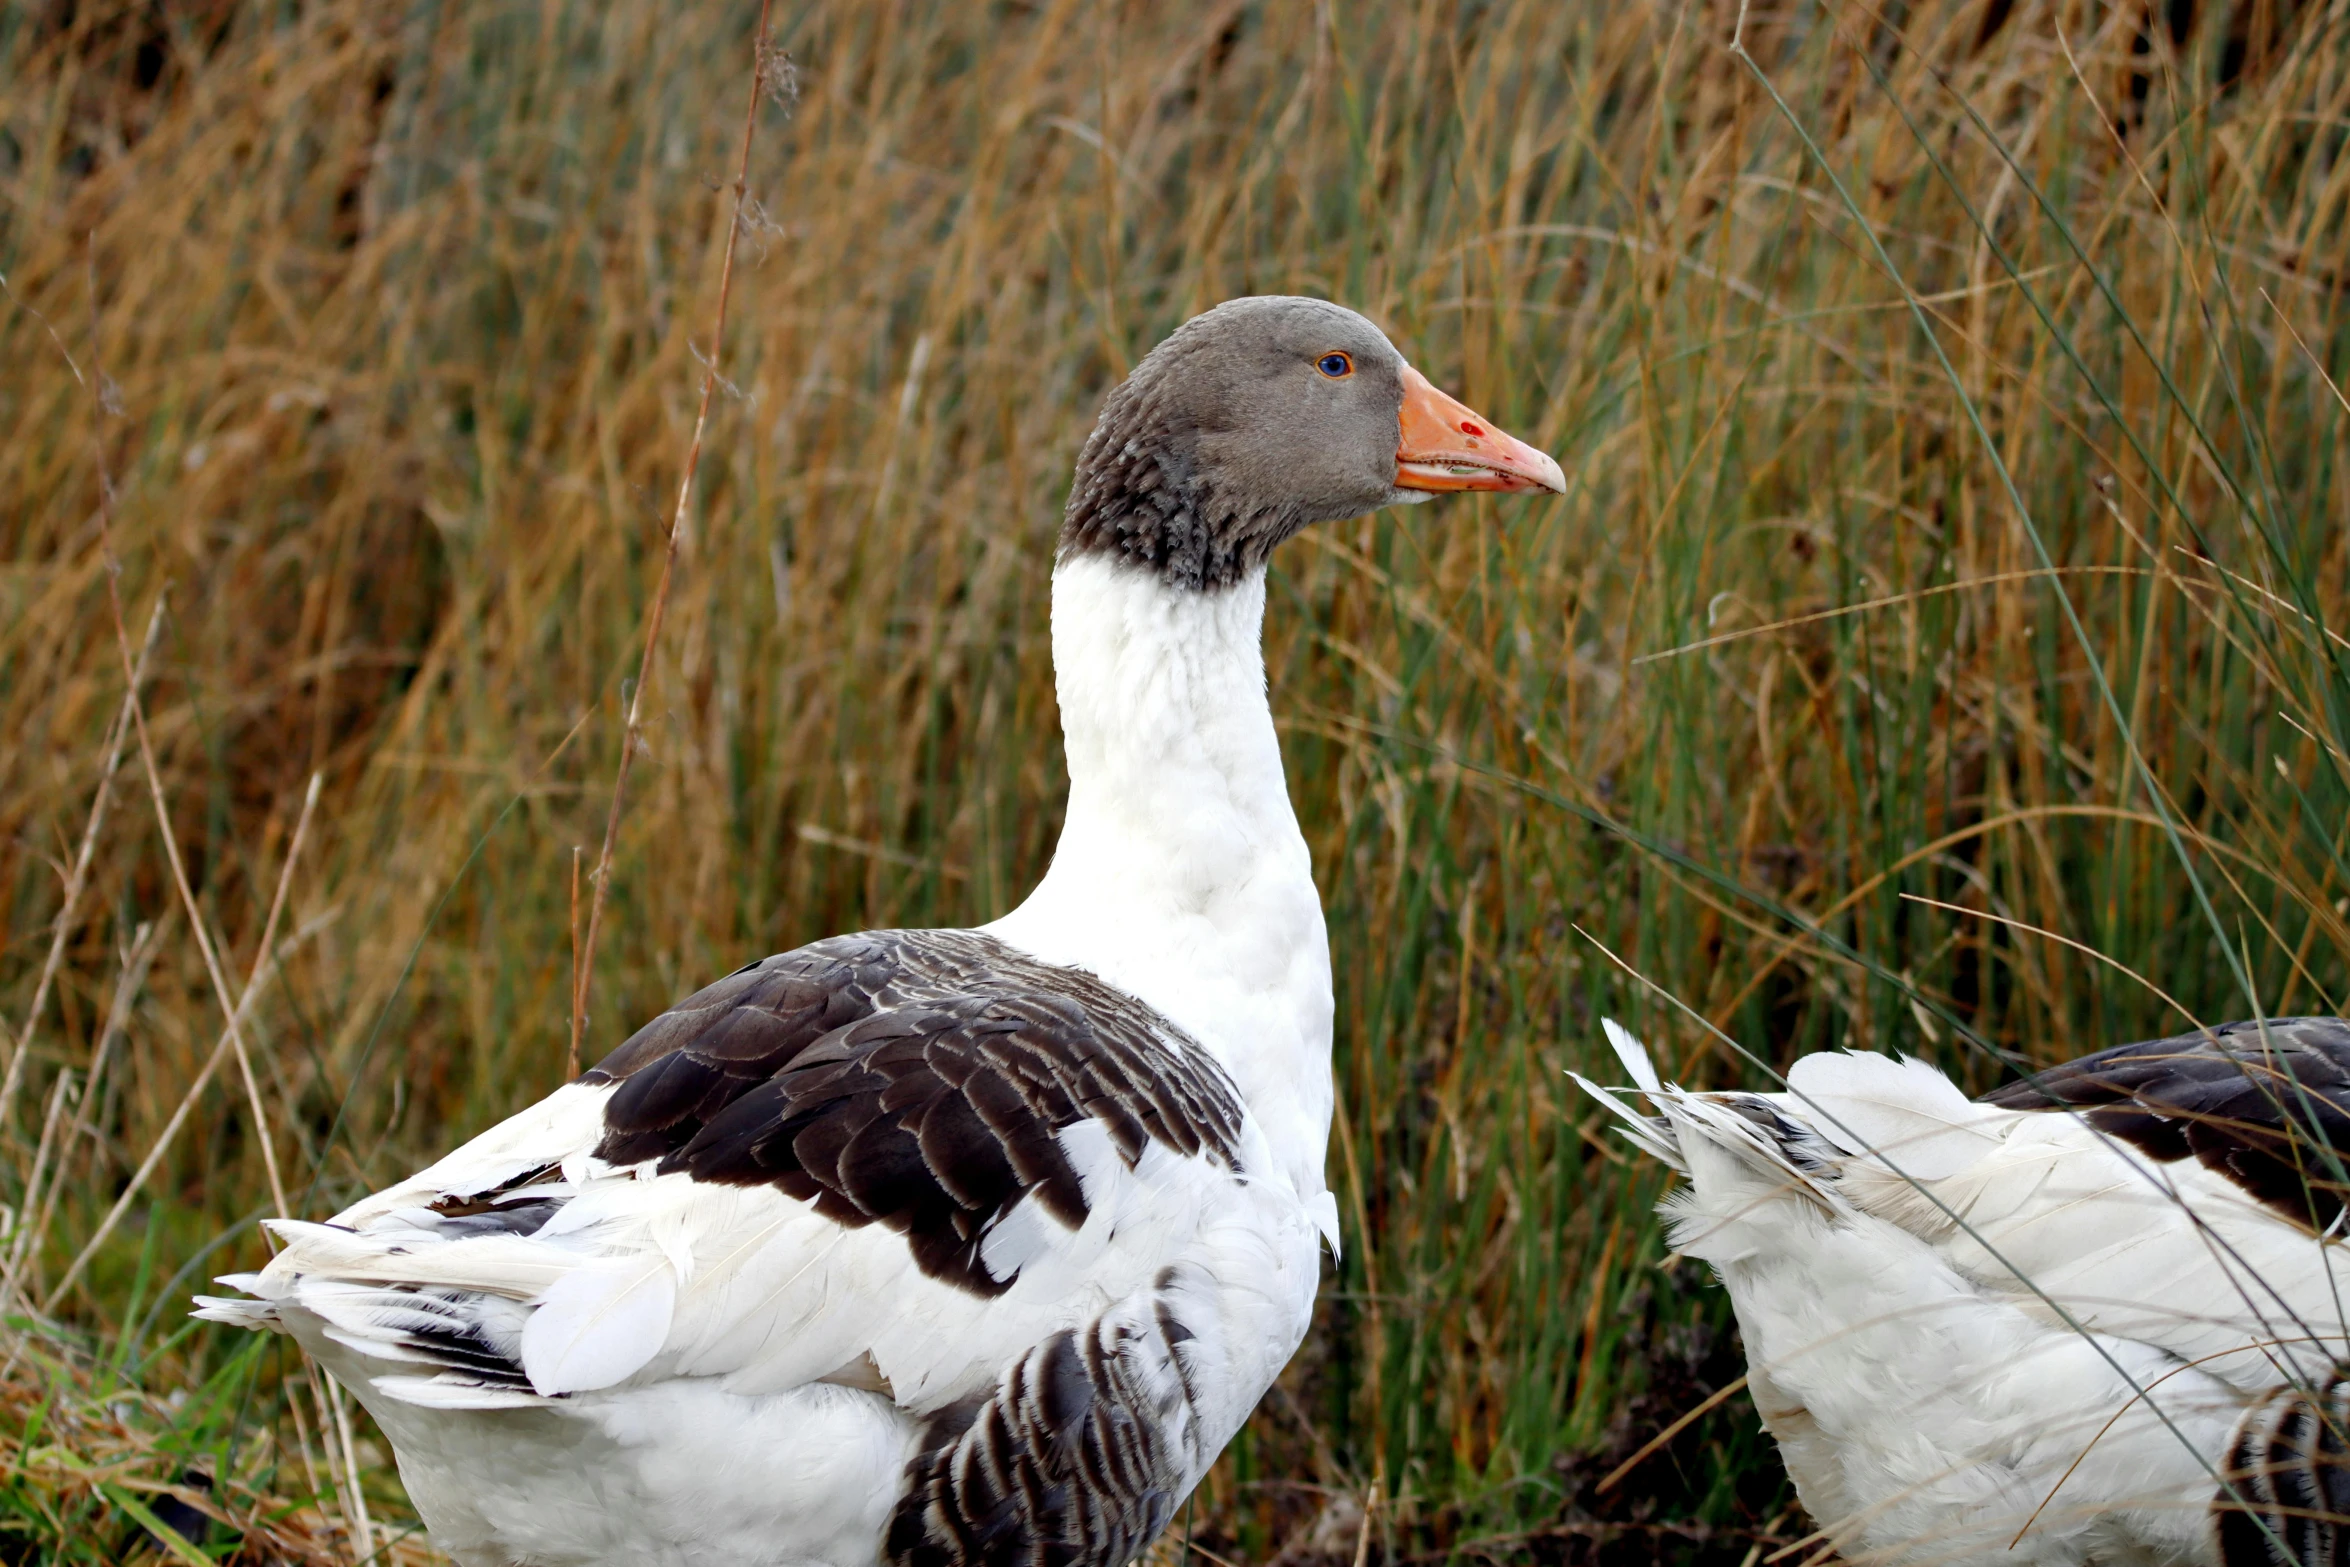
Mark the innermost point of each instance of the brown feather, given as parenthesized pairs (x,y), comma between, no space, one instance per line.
(2270,1110)
(916,1079)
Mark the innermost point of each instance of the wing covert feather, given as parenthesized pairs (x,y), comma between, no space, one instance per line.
(919,1080)
(2267,1107)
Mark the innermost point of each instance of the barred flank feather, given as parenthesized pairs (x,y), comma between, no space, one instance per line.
(2288,1482)
(1080,1456)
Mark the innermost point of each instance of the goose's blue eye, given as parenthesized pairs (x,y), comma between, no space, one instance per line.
(1335,365)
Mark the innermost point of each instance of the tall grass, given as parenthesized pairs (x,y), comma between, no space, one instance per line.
(1956,500)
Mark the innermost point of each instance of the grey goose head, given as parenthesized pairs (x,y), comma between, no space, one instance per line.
(1264,416)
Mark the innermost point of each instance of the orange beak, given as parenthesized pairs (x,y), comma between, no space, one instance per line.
(1448,446)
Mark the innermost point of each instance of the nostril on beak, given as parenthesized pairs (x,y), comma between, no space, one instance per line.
(1471,429)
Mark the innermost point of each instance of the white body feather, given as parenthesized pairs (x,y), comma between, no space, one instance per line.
(742,1378)
(1983,1335)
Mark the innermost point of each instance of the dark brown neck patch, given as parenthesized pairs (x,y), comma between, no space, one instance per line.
(1140,499)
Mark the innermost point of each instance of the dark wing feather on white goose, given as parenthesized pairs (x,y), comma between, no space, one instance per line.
(915,1079)
(921,1081)
(941,1247)
(2096,1317)
(2264,1104)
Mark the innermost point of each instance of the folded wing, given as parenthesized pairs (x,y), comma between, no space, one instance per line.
(898,1160)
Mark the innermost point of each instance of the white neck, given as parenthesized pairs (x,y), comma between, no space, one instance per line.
(1181,876)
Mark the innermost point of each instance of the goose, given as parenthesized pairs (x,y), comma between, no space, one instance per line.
(2095,1318)
(941,1247)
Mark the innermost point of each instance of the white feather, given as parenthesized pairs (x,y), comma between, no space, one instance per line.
(450,1391)
(1633,1054)
(599,1325)
(250,1314)
(1904,1111)
(1652,1136)
(1325,1210)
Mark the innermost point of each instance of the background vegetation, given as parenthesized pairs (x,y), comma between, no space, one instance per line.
(1947,391)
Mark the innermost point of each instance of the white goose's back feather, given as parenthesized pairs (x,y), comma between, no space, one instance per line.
(1987,1333)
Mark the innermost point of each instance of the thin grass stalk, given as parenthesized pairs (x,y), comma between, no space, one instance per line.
(132,976)
(631,734)
(2163,806)
(265,961)
(60,1093)
(571,1061)
(362,1523)
(233,1010)
(164,1139)
(78,878)
(277,906)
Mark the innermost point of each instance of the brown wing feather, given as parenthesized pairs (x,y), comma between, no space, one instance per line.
(2269,1110)
(916,1079)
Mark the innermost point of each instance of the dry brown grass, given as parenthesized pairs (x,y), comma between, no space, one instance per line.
(398,311)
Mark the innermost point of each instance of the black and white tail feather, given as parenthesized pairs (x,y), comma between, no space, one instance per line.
(464,1345)
(2083,1321)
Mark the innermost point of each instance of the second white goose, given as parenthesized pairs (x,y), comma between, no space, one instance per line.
(2094,1319)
